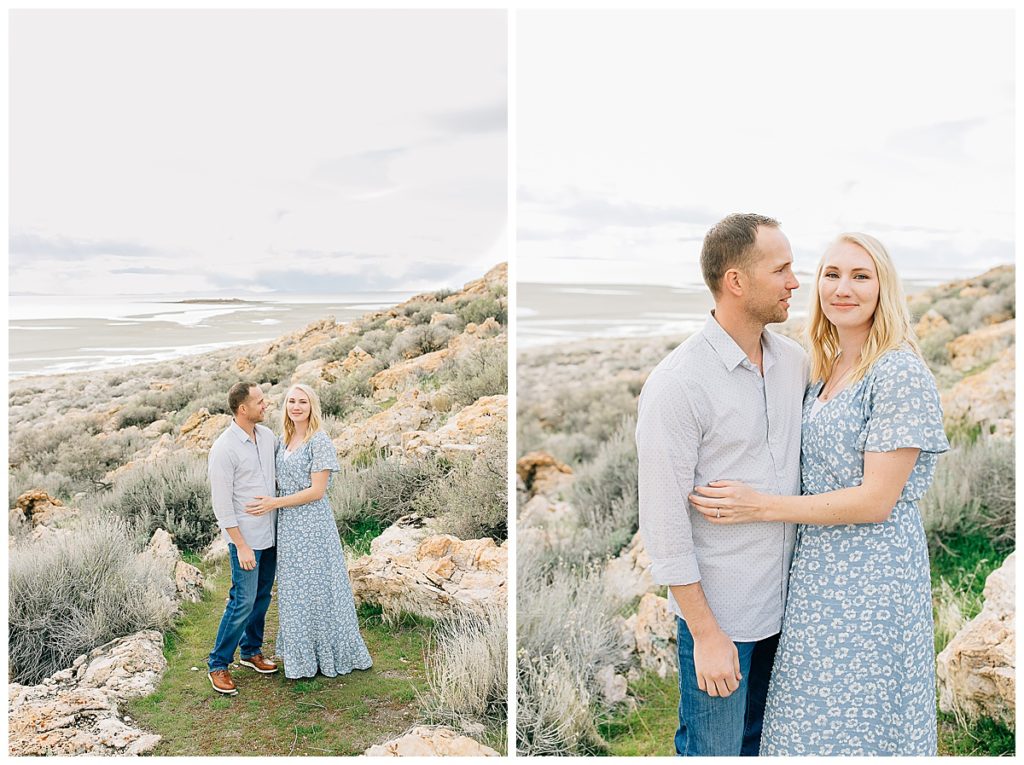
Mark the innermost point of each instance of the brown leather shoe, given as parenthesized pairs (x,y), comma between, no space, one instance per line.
(221,681)
(261,665)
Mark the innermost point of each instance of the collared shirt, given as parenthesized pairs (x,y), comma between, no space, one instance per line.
(706,413)
(241,470)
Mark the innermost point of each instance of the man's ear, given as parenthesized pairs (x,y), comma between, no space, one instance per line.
(734,282)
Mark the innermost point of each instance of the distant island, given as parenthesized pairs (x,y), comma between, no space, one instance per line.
(217,301)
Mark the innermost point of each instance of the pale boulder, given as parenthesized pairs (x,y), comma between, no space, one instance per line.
(628,576)
(651,631)
(931,323)
(188,580)
(543,473)
(981,346)
(986,398)
(431,742)
(465,431)
(410,412)
(976,672)
(201,429)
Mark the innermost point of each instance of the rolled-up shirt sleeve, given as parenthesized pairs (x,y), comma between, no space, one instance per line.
(667,440)
(221,471)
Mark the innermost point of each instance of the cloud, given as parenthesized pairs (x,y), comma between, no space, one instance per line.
(942,140)
(486,119)
(602,212)
(146,271)
(366,171)
(30,245)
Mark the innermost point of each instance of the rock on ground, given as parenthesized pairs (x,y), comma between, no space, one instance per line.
(543,473)
(75,711)
(431,742)
(432,576)
(201,429)
(465,431)
(976,672)
(986,398)
(981,346)
(188,580)
(652,633)
(628,576)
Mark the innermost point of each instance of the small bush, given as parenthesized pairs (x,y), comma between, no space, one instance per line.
(472,499)
(420,339)
(482,372)
(376,342)
(274,369)
(173,494)
(344,397)
(973,490)
(478,310)
(467,669)
(138,414)
(24,478)
(69,595)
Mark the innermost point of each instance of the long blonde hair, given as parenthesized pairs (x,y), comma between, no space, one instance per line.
(315,416)
(891,326)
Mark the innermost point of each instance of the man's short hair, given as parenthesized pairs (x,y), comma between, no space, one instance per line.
(730,244)
(238,395)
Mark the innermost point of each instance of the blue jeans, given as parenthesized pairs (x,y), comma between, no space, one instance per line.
(248,601)
(730,726)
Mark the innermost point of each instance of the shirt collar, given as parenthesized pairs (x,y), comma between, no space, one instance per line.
(730,353)
(240,434)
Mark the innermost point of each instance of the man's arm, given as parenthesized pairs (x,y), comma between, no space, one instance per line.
(668,437)
(221,471)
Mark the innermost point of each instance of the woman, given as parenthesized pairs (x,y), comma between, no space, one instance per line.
(319,630)
(855,669)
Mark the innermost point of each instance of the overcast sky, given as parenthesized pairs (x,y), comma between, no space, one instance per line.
(638,130)
(251,151)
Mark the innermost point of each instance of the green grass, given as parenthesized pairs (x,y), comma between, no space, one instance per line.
(362,532)
(984,738)
(272,715)
(649,730)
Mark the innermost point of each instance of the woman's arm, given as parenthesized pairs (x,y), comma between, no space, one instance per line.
(263,505)
(885,475)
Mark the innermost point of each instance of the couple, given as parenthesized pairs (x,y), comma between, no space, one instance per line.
(772,506)
(318,627)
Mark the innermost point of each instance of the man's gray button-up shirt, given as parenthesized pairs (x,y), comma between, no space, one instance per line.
(239,471)
(706,413)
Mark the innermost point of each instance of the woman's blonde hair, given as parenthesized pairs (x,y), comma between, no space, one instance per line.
(315,417)
(891,327)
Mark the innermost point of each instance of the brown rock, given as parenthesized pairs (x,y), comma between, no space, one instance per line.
(976,672)
(441,318)
(930,323)
(40,509)
(201,429)
(981,346)
(471,426)
(431,742)
(986,398)
(410,412)
(544,474)
(356,359)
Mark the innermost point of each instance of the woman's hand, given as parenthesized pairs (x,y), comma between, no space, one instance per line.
(261,505)
(729,502)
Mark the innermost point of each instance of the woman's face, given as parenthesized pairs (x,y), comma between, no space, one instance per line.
(297,405)
(848,286)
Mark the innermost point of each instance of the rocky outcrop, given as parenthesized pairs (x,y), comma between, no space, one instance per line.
(496,277)
(932,323)
(201,429)
(543,473)
(76,711)
(430,576)
(976,672)
(398,377)
(651,633)
(357,359)
(465,431)
(431,742)
(188,580)
(40,509)
(985,399)
(981,346)
(628,576)
(410,412)
(551,524)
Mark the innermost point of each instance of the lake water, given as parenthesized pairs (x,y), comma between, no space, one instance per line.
(52,335)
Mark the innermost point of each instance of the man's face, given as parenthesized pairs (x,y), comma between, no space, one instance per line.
(255,407)
(771,280)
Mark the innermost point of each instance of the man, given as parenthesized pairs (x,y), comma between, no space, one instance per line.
(726,404)
(241,468)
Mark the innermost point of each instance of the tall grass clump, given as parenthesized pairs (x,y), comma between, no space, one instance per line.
(71,594)
(467,669)
(973,492)
(172,494)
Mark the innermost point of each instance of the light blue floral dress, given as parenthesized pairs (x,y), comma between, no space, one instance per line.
(318,626)
(855,669)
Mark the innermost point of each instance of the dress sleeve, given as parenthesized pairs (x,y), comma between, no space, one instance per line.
(324,455)
(904,410)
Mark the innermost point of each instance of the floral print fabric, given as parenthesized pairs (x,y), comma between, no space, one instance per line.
(318,626)
(855,669)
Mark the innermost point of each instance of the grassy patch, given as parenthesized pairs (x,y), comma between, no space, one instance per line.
(362,532)
(984,738)
(648,730)
(271,715)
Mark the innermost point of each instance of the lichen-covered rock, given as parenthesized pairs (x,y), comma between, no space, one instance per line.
(544,474)
(432,579)
(465,431)
(976,671)
(356,359)
(431,742)
(981,346)
(611,685)
(651,632)
(188,580)
(410,412)
(201,429)
(986,398)
(628,576)
(400,376)
(75,711)
(40,509)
